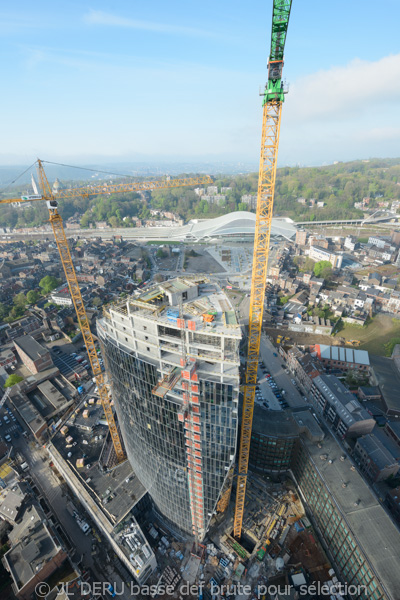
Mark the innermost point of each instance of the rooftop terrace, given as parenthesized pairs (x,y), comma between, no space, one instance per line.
(117,490)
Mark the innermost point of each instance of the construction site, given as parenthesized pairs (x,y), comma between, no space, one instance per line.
(158,461)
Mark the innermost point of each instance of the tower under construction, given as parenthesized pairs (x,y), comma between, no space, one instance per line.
(172,359)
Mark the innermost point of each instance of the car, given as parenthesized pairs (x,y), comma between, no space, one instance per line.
(293,381)
(7,438)
(266,404)
(16,434)
(6,419)
(275,354)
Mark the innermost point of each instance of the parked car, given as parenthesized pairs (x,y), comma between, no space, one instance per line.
(7,438)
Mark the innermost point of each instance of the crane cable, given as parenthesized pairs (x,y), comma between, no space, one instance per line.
(49,162)
(19,176)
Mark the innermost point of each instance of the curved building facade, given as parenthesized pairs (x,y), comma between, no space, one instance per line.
(175,378)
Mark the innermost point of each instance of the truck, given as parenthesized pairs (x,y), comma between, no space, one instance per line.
(85,527)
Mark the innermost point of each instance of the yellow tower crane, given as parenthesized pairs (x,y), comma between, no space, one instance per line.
(69,270)
(273,99)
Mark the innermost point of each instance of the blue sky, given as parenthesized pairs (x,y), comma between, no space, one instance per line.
(177,80)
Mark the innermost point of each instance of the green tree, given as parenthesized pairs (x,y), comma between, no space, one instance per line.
(12,380)
(20,300)
(160,253)
(32,296)
(327,273)
(96,301)
(15,313)
(49,283)
(308,265)
(320,266)
(3,311)
(113,221)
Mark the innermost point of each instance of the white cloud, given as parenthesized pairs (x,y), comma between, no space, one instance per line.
(97,17)
(344,92)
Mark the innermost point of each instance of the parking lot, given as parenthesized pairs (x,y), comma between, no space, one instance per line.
(268,393)
(10,427)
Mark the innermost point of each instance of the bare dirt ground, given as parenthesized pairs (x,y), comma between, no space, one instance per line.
(301,339)
(373,337)
(204,263)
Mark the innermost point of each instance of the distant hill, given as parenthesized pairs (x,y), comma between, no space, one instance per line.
(338,186)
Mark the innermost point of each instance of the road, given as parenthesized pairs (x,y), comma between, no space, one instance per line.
(274,366)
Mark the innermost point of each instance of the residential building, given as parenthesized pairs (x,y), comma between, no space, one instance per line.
(304,366)
(250,200)
(62,299)
(392,429)
(350,243)
(395,235)
(33,355)
(35,553)
(377,241)
(7,358)
(387,375)
(374,460)
(212,190)
(172,356)
(317,253)
(371,394)
(316,325)
(339,407)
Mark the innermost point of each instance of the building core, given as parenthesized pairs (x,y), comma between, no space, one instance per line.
(172,358)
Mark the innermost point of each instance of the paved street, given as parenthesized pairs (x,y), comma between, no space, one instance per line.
(274,366)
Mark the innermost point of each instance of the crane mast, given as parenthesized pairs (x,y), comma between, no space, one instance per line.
(69,269)
(272,108)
